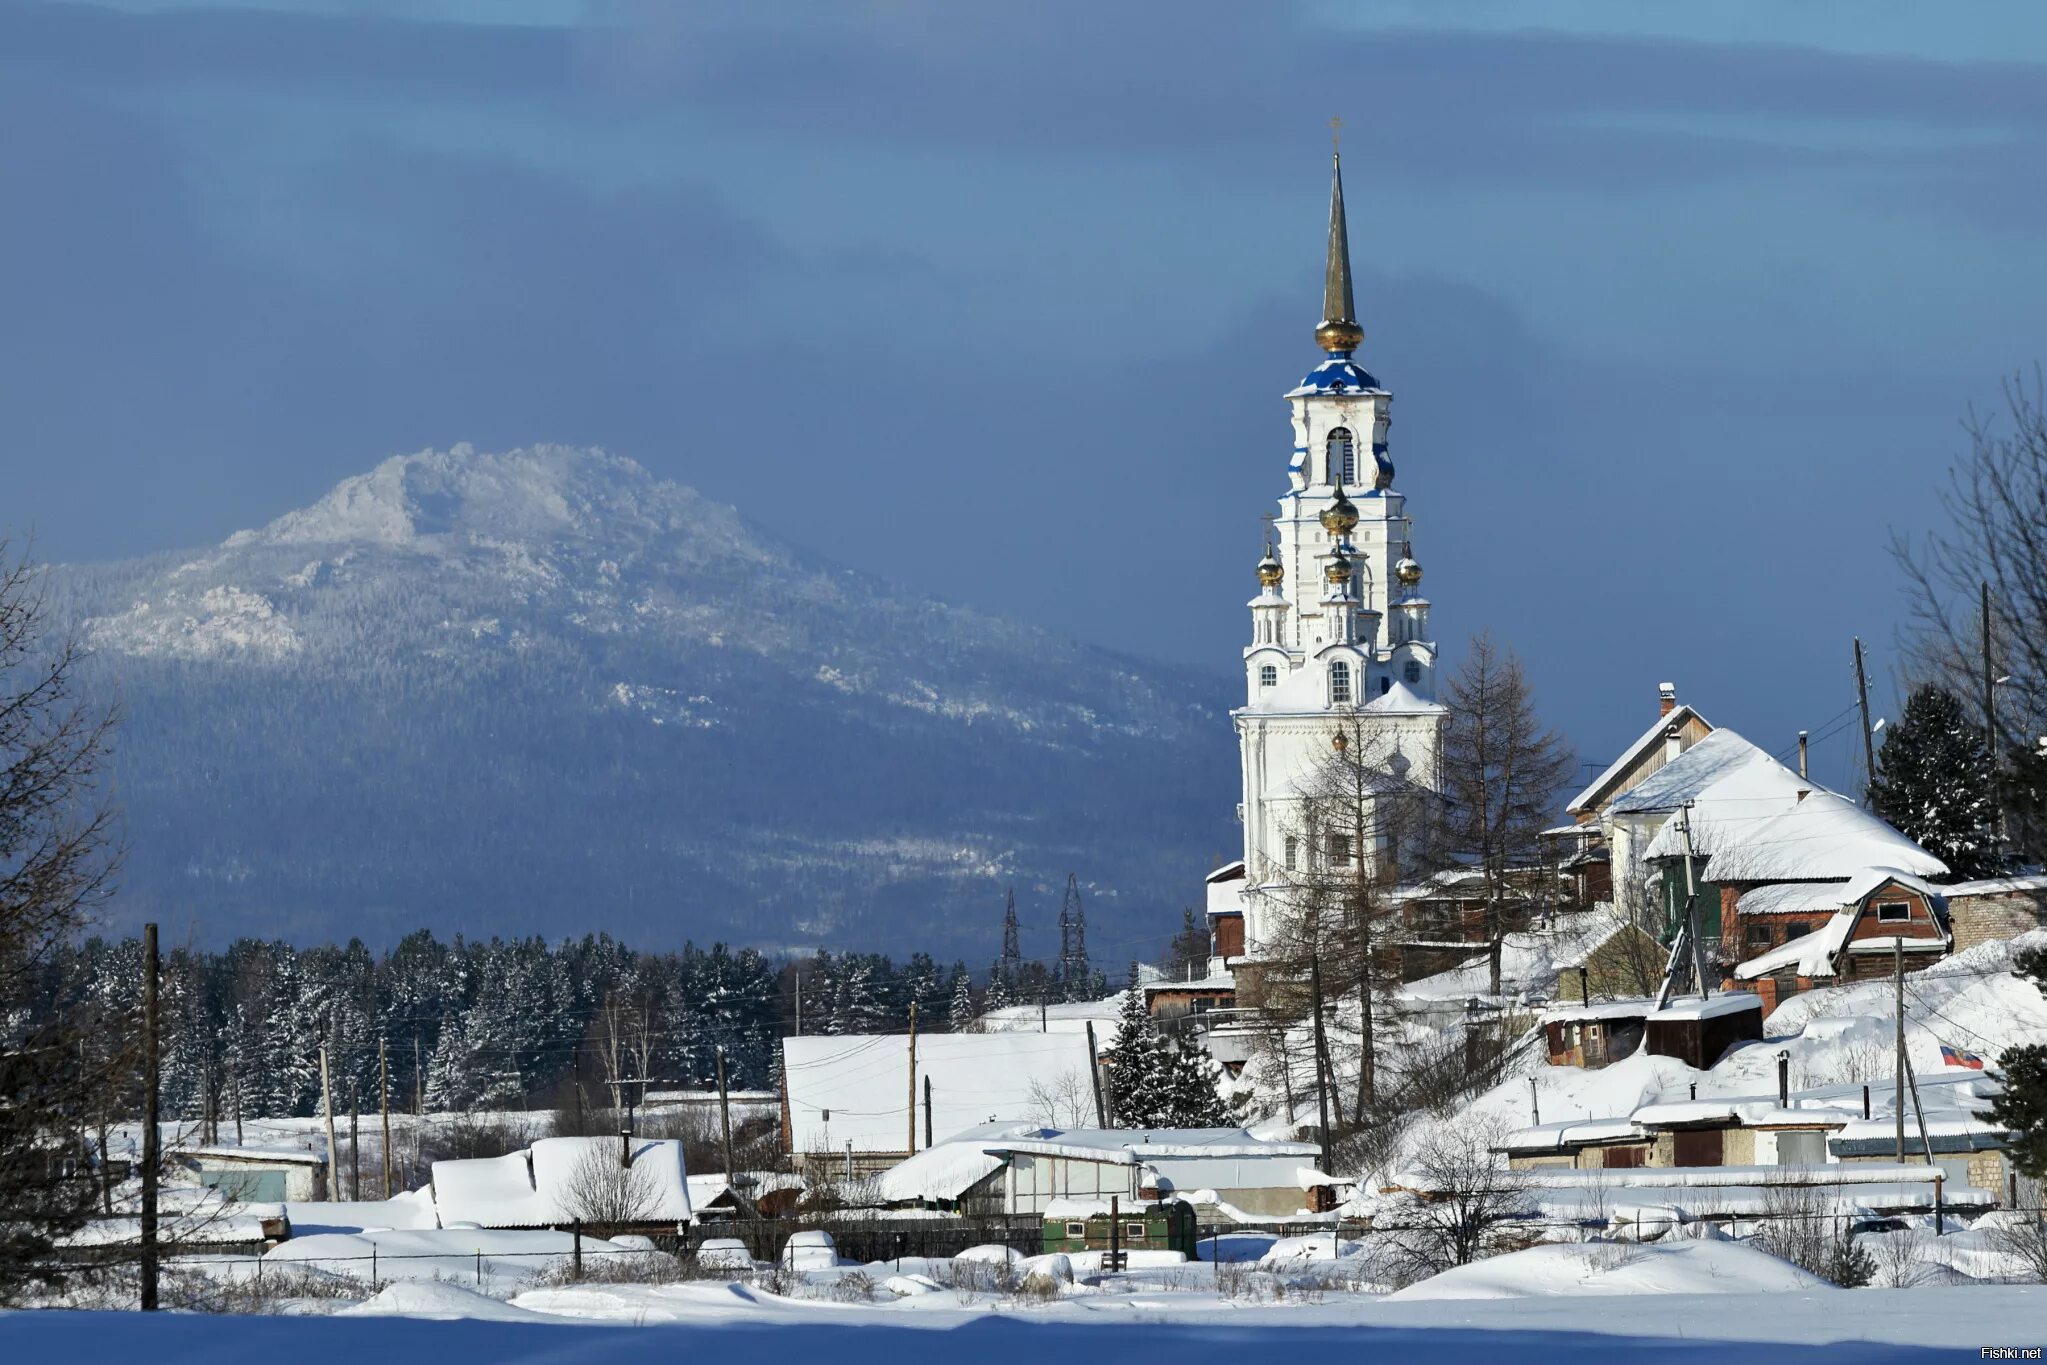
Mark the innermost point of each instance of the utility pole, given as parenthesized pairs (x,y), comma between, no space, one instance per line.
(152,1157)
(1094,1077)
(384,1107)
(912,1110)
(354,1143)
(725,1116)
(1868,741)
(1898,971)
(419,1083)
(1684,816)
(327,1108)
(927,1109)
(799,1004)
(1990,727)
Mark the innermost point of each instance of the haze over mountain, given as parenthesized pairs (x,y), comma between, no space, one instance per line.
(542,692)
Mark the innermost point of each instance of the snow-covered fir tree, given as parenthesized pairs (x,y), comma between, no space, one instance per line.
(1142,1085)
(1933,782)
(960,1011)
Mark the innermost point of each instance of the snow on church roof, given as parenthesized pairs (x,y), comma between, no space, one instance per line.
(1402,700)
(1337,374)
(862,1082)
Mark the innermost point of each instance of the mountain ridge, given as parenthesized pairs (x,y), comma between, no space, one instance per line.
(543,691)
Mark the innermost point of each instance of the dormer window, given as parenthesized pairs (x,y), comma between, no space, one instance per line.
(1342,462)
(1268,675)
(1413,672)
(1339,683)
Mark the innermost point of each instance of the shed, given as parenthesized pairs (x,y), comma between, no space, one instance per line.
(1075,1225)
(253,1175)
(547,1184)
(1699,1032)
(1594,1035)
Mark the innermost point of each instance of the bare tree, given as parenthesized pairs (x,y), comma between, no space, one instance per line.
(1464,1195)
(1065,1101)
(1503,773)
(1995,537)
(1359,823)
(604,1190)
(56,861)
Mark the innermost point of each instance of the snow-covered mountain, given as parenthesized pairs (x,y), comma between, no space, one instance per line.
(545,692)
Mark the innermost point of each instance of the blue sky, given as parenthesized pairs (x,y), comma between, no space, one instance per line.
(1682,305)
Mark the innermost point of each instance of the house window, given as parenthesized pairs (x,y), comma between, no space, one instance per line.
(1893,912)
(1339,683)
(1339,850)
(1133,1232)
(1268,675)
(1293,852)
(1413,672)
(1077,1230)
(1796,929)
(1757,936)
(1343,457)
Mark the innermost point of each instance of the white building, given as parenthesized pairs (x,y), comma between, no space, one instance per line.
(1339,627)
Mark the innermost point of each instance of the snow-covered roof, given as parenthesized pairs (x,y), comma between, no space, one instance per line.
(1226,894)
(1337,374)
(951,1168)
(536,1187)
(1823,837)
(1402,700)
(1556,1137)
(1632,755)
(862,1082)
(1712,1007)
(1720,757)
(1132,1146)
(293,1156)
(1815,898)
(1221,981)
(1228,872)
(1997,886)
(1600,1009)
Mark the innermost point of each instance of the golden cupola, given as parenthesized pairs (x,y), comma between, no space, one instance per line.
(1340,518)
(1270,572)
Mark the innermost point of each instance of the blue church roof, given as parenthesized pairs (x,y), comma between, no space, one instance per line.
(1338,374)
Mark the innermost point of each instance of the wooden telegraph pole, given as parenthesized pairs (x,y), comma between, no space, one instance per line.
(910,1112)
(1094,1076)
(327,1107)
(1898,972)
(1868,740)
(152,1157)
(725,1116)
(384,1108)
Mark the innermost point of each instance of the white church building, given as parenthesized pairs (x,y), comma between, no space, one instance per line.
(1340,640)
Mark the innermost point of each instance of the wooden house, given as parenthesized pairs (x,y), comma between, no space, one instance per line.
(1797,935)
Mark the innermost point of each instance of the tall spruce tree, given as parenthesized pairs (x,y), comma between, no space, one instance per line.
(1933,782)
(960,1013)
(1143,1089)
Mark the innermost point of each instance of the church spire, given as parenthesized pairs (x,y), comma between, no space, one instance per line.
(1339,333)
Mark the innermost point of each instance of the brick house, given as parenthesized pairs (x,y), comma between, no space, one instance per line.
(2003,907)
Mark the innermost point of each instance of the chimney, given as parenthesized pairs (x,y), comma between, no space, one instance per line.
(1801,753)
(1666,698)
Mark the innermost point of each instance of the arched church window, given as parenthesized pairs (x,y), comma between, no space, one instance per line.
(1268,675)
(1413,671)
(1293,852)
(1343,458)
(1339,683)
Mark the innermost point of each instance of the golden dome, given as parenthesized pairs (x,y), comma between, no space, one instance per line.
(1339,337)
(1338,571)
(1408,572)
(1340,518)
(1269,571)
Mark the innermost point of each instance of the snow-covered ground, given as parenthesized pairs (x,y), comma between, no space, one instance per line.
(738,1326)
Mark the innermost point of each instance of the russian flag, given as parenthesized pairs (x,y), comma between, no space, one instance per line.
(1954,1056)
